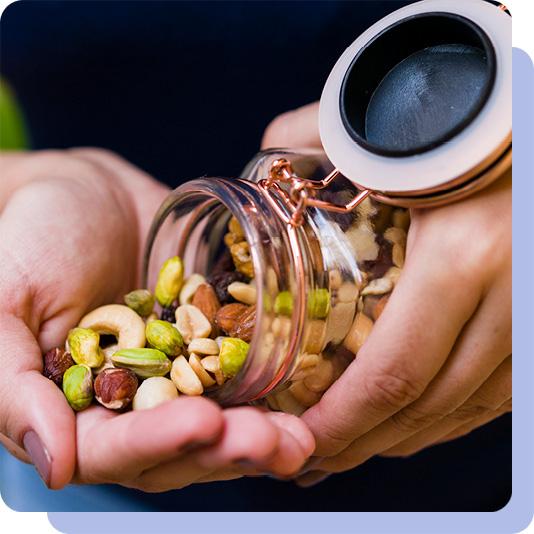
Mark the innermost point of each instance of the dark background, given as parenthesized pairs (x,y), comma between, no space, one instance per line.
(183,89)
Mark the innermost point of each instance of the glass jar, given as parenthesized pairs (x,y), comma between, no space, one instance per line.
(320,284)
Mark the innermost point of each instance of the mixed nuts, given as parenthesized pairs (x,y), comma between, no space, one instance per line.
(196,344)
(200,337)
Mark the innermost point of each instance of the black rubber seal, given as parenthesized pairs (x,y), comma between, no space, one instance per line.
(417,84)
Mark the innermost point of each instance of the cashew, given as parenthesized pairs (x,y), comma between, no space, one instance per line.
(359,332)
(120,321)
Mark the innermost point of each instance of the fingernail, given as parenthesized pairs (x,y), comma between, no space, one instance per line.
(313,482)
(39,455)
(310,465)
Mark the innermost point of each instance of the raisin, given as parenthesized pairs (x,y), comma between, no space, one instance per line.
(221,281)
(167,314)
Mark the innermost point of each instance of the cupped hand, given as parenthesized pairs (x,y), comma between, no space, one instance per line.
(438,362)
(71,231)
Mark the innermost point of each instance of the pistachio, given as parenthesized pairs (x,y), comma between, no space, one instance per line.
(153,392)
(203,346)
(245,293)
(191,284)
(165,337)
(283,303)
(56,362)
(143,362)
(84,347)
(318,303)
(203,375)
(140,301)
(170,280)
(184,378)
(78,386)
(232,355)
(115,388)
(191,323)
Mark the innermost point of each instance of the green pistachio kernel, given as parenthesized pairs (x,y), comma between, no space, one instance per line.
(84,347)
(78,386)
(319,303)
(140,301)
(163,336)
(283,304)
(232,355)
(170,281)
(143,362)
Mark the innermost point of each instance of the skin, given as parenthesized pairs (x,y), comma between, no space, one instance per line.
(71,229)
(438,363)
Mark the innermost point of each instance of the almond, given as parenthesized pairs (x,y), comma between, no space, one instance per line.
(205,299)
(244,326)
(227,316)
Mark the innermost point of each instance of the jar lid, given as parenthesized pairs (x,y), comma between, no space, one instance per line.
(422,99)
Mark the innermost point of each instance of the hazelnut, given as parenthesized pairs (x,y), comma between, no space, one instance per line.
(115,388)
(56,362)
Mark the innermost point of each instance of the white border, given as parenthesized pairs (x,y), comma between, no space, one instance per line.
(37,522)
(452,159)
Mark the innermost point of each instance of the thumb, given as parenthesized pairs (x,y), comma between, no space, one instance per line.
(294,129)
(33,410)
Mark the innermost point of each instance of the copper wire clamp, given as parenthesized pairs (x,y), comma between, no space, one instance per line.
(300,194)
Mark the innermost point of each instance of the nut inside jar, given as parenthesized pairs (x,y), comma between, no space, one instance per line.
(228,319)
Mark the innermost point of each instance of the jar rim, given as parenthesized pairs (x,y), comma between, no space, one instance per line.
(242,199)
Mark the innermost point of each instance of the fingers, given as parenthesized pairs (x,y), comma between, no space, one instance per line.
(312,478)
(476,423)
(297,128)
(484,405)
(478,352)
(405,350)
(33,412)
(252,443)
(118,448)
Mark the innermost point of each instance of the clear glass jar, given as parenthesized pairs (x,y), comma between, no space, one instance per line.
(319,286)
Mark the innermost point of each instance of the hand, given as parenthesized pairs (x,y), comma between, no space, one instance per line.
(71,239)
(438,362)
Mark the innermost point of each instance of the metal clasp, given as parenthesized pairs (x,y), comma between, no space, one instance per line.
(301,193)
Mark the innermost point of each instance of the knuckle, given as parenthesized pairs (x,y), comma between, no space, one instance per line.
(411,419)
(392,389)
(469,411)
